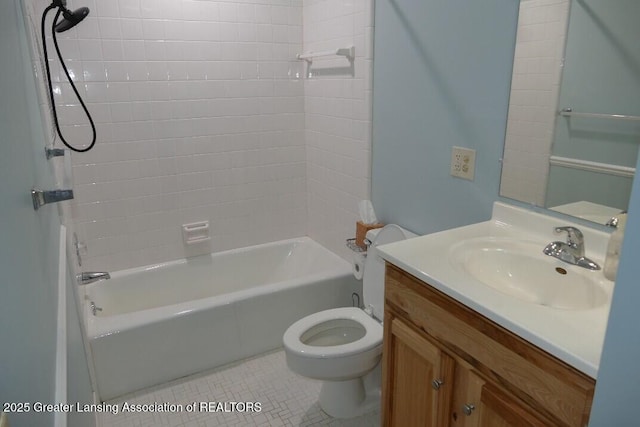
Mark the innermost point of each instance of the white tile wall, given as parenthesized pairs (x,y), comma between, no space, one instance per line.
(200,109)
(534,92)
(200,112)
(338,118)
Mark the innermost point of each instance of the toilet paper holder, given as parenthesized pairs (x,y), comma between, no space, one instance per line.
(351,244)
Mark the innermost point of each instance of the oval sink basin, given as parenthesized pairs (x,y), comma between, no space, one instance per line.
(522,271)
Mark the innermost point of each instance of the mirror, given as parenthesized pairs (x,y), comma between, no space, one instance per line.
(573,129)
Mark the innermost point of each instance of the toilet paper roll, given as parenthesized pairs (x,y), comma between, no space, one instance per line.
(357,266)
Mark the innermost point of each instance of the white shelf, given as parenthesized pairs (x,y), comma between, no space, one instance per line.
(587,165)
(568,112)
(348,52)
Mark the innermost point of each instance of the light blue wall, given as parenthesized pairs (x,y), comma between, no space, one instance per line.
(28,240)
(600,75)
(442,76)
(29,244)
(618,387)
(437,63)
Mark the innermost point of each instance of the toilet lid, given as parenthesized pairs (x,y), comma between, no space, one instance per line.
(373,280)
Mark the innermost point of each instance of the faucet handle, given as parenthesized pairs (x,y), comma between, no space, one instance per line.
(575,238)
(613,221)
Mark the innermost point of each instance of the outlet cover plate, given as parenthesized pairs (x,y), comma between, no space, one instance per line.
(463,163)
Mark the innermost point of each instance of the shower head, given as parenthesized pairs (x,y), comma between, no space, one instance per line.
(71,18)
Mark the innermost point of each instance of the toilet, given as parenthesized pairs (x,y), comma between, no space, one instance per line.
(343,346)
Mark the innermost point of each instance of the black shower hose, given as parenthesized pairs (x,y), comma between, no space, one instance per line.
(73,86)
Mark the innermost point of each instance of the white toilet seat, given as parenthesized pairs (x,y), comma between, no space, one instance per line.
(371,339)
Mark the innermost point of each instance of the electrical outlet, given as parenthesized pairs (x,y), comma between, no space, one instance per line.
(463,163)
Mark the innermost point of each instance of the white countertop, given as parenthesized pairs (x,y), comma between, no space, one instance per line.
(575,336)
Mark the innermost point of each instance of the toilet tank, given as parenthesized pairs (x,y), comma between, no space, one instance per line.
(373,279)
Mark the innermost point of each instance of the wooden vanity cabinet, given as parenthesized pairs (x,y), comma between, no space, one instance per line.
(421,376)
(446,365)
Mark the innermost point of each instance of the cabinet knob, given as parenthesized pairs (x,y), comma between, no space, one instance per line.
(468,408)
(436,384)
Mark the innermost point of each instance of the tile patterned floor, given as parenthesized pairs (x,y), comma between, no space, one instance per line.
(286,399)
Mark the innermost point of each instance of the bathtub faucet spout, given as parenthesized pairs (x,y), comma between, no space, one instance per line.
(92,276)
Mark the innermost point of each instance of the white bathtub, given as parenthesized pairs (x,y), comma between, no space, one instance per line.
(163,322)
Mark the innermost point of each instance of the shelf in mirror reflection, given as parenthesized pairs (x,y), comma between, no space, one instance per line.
(588,211)
(568,112)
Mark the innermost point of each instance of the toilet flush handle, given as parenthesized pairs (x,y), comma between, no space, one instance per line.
(369,310)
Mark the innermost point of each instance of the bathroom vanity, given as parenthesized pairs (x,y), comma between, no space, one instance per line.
(444,364)
(490,343)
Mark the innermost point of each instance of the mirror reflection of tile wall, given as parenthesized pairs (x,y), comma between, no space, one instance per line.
(537,68)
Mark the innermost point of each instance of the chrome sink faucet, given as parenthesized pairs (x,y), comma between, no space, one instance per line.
(571,251)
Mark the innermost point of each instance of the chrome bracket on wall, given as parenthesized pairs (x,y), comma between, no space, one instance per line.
(41,198)
(53,152)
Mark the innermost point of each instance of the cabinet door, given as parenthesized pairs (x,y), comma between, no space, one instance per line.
(418,378)
(477,403)
(498,409)
(465,408)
